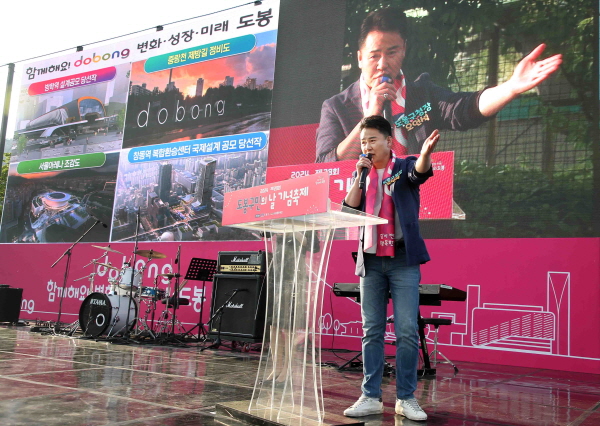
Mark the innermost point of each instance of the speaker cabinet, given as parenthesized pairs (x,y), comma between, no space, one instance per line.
(10,304)
(244,315)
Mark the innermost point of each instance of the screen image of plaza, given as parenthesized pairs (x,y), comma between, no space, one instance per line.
(182,200)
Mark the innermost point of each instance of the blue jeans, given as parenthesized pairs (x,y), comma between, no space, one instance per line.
(383,274)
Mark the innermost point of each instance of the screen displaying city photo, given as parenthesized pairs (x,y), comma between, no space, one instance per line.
(70,115)
(182,199)
(58,200)
(215,97)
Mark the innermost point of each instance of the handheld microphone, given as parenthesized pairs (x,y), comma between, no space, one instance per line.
(387,106)
(363,173)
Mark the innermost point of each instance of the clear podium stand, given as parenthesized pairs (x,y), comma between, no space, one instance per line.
(288,388)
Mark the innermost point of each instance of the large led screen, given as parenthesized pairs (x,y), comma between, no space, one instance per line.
(525,167)
(197,111)
(144,136)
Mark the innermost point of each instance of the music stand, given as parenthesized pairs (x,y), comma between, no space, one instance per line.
(201,270)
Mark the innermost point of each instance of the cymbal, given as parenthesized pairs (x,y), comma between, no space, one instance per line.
(150,254)
(169,276)
(108,249)
(106,265)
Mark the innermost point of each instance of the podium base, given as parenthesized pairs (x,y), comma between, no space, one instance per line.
(236,412)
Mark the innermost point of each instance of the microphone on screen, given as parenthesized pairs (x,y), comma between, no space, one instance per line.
(364,172)
(387,106)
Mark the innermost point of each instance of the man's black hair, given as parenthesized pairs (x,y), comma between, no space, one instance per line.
(376,122)
(390,19)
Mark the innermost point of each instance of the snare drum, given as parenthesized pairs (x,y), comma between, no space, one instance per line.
(153,293)
(107,314)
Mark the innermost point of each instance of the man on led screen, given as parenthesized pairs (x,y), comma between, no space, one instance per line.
(388,261)
(413,108)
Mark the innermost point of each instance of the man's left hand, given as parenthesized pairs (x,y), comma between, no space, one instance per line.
(529,72)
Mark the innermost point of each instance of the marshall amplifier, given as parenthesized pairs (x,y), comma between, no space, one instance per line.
(243,315)
(242,262)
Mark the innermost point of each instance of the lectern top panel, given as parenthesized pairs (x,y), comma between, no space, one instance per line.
(337,216)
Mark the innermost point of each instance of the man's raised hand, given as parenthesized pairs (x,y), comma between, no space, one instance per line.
(530,72)
(430,143)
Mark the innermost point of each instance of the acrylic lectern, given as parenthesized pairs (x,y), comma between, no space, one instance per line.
(288,387)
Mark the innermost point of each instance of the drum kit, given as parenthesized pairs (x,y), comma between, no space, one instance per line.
(129,308)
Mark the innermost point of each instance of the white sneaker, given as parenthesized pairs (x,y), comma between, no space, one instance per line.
(410,409)
(364,406)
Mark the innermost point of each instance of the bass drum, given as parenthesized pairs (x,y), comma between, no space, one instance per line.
(107,314)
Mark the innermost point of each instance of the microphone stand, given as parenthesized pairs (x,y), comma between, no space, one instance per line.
(126,333)
(176,298)
(219,312)
(74,326)
(174,301)
(66,276)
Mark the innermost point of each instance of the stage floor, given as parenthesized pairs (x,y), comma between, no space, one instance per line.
(47,380)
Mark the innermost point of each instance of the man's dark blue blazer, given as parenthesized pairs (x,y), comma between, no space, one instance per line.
(406,196)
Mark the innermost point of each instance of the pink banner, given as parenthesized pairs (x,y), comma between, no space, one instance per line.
(530,302)
(295,197)
(43,286)
(436,194)
(72,81)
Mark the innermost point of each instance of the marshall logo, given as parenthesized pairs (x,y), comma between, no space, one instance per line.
(98,302)
(234,305)
(240,259)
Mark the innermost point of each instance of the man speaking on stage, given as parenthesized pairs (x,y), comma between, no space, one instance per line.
(413,108)
(388,261)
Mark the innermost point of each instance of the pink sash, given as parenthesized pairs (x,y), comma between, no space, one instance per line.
(385,233)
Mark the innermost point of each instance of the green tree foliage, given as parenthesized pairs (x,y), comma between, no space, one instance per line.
(451,41)
(438,32)
(567,27)
(121,119)
(441,31)
(21,144)
(512,201)
(3,178)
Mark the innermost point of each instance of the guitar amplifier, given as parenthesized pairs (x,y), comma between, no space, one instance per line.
(242,262)
(243,313)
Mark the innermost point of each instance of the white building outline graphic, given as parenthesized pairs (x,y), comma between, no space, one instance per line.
(539,329)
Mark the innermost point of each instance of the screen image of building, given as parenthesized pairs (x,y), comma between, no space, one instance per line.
(206,180)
